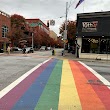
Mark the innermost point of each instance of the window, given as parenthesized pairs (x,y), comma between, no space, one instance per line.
(4,30)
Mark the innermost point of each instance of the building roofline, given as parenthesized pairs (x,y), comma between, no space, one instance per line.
(94,14)
(4,14)
(33,19)
(40,21)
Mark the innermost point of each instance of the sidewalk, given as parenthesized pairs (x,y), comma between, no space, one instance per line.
(86,57)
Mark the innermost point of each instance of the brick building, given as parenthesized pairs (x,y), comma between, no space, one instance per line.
(5,27)
(38,28)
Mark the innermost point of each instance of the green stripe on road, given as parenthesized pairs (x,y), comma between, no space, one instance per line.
(50,96)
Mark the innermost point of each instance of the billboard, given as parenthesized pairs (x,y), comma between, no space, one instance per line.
(93,24)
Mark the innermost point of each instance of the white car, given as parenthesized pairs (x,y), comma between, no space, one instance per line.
(48,48)
(42,48)
(16,49)
(29,50)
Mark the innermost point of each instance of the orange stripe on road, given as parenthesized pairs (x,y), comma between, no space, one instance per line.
(88,97)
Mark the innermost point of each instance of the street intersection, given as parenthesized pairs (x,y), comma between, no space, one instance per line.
(47,83)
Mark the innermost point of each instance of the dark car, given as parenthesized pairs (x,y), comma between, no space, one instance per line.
(1,51)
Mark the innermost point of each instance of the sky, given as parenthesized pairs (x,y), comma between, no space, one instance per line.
(52,9)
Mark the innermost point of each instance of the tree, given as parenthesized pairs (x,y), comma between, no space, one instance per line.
(18,25)
(71,31)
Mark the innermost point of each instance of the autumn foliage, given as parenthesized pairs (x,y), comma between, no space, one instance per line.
(71,31)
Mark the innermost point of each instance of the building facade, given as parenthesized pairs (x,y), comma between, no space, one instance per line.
(38,28)
(53,35)
(93,33)
(5,27)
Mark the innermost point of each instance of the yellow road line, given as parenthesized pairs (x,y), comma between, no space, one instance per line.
(69,99)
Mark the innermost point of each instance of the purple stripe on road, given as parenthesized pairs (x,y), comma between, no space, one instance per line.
(7,102)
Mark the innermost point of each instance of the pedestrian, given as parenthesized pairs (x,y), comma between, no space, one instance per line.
(62,52)
(78,47)
(8,49)
(53,52)
(24,49)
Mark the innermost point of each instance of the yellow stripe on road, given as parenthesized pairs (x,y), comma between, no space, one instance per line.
(69,99)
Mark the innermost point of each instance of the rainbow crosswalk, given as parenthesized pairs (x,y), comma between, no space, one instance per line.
(58,85)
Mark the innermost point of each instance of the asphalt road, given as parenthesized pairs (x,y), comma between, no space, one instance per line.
(14,65)
(103,68)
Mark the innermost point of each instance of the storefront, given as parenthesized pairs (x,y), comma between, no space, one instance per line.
(93,32)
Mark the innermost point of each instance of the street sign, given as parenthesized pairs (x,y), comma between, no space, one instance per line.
(52,22)
(35,24)
(65,34)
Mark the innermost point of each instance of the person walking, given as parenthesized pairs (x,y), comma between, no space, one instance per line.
(8,49)
(24,49)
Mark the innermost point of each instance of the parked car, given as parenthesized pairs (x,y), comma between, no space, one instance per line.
(48,48)
(1,51)
(16,49)
(29,50)
(43,48)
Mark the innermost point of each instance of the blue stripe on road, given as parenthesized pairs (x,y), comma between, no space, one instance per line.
(29,100)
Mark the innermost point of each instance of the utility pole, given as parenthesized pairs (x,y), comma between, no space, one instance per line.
(65,31)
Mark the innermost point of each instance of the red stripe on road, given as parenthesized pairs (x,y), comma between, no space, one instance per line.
(102,91)
(88,98)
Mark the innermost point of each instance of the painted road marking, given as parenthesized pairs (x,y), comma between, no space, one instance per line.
(63,86)
(107,83)
(87,95)
(102,91)
(12,85)
(32,95)
(50,96)
(69,98)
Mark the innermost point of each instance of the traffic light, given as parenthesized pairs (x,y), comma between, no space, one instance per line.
(48,23)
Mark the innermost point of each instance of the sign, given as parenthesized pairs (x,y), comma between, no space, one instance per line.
(89,26)
(35,24)
(52,22)
(93,24)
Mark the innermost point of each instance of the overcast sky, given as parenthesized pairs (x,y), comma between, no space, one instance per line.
(52,9)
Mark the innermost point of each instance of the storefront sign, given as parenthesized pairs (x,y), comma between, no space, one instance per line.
(93,40)
(93,24)
(89,26)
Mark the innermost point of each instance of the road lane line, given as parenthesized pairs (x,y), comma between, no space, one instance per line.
(12,85)
(107,83)
(69,98)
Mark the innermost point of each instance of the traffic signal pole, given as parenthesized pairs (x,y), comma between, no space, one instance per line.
(65,31)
